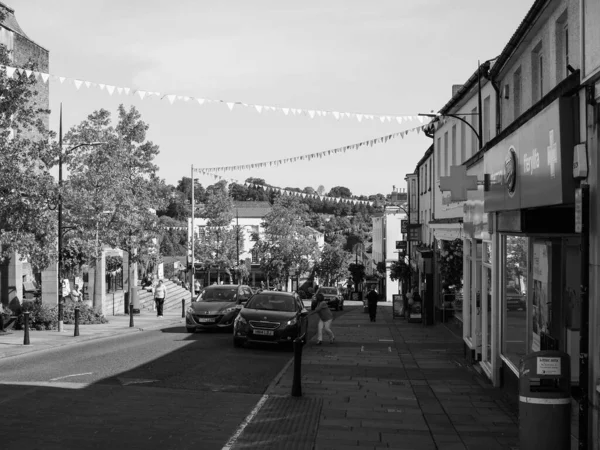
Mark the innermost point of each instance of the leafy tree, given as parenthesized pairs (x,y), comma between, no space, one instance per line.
(27,225)
(340,191)
(321,189)
(333,265)
(112,191)
(287,244)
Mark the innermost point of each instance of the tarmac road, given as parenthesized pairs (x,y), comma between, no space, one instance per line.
(156,389)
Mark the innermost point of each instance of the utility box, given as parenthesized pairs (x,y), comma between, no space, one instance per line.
(545,401)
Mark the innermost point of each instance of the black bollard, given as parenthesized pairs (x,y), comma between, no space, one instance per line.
(76,332)
(183,308)
(296,384)
(26,325)
(131,316)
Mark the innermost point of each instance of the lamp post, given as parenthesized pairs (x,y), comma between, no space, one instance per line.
(60,183)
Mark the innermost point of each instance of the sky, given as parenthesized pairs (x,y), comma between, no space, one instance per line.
(380,57)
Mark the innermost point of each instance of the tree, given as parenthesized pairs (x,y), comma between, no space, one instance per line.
(112,191)
(358,274)
(27,224)
(287,244)
(333,265)
(340,191)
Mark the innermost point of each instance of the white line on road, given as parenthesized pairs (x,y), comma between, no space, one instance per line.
(362,348)
(69,376)
(245,423)
(390,349)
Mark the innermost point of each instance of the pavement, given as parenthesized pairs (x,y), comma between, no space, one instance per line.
(388,384)
(12,341)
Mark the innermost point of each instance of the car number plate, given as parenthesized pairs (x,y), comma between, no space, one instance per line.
(264,332)
(416,316)
(203,319)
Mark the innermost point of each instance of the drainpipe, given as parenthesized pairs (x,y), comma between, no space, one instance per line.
(494,83)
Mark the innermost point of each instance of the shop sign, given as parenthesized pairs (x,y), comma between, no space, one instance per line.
(401,245)
(578,210)
(414,232)
(533,166)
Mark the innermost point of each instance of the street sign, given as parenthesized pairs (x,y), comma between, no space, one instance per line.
(404,226)
(401,245)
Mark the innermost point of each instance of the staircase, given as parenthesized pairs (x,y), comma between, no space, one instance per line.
(173,300)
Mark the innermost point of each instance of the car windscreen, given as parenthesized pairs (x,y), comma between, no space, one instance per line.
(328,291)
(219,295)
(268,302)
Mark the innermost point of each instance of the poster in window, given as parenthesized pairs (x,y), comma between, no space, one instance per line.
(540,315)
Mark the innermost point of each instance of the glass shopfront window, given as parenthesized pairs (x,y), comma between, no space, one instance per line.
(467,289)
(487,302)
(515,259)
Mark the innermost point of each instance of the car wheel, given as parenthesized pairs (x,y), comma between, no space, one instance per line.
(190,330)
(237,343)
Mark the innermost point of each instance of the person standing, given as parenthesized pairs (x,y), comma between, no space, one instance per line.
(325,319)
(372,299)
(197,287)
(160,293)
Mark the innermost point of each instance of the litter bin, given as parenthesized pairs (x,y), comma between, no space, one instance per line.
(545,401)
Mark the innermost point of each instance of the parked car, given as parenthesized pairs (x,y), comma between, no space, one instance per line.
(332,295)
(271,317)
(515,300)
(216,307)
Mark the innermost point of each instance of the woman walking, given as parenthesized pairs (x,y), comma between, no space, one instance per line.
(325,319)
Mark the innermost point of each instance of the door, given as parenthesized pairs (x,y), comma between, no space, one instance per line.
(476,274)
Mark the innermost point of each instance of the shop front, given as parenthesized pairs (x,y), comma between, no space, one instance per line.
(531,201)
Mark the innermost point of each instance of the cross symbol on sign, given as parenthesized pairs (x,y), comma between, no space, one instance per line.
(458,183)
(552,154)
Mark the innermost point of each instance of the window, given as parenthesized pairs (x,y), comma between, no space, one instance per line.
(486,120)
(439,157)
(453,161)
(430,175)
(425,184)
(537,73)
(474,123)
(463,142)
(517,93)
(445,153)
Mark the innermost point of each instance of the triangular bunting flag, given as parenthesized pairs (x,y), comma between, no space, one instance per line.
(359,117)
(119,90)
(285,110)
(200,100)
(230,106)
(10,71)
(101,86)
(258,108)
(141,94)
(171,98)
(45,77)
(61,79)
(77,84)
(126,90)
(28,73)
(311,113)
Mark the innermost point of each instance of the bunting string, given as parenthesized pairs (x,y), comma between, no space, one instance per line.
(286,192)
(11,72)
(317,155)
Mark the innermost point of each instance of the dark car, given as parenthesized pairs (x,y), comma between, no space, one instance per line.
(515,301)
(332,295)
(216,307)
(271,317)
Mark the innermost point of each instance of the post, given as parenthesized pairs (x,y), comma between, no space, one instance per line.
(76,332)
(193,266)
(183,308)
(237,242)
(297,384)
(585,320)
(61,316)
(60,182)
(26,325)
(480,116)
(130,316)
(2,330)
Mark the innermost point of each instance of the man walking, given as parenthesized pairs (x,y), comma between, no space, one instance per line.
(160,293)
(372,299)
(325,319)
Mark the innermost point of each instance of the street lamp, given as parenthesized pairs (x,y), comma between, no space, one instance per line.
(60,182)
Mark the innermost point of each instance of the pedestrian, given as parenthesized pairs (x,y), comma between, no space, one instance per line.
(372,299)
(197,287)
(325,319)
(160,293)
(76,294)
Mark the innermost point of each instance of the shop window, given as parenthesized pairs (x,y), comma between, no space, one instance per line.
(515,259)
(453,161)
(486,120)
(463,141)
(439,157)
(537,73)
(517,93)
(474,124)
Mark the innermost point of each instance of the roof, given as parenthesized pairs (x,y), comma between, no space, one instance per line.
(513,43)
(10,22)
(424,158)
(460,93)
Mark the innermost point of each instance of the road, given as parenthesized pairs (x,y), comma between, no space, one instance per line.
(156,389)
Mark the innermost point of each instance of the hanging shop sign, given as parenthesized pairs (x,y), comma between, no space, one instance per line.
(401,245)
(532,166)
(404,226)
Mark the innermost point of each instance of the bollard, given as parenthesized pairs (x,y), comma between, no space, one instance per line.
(26,324)
(2,323)
(126,302)
(296,384)
(130,316)
(183,308)
(76,332)
(61,316)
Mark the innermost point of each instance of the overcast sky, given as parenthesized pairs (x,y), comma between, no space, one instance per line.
(388,57)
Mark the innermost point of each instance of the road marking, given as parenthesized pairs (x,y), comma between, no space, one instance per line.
(386,340)
(232,440)
(69,376)
(390,349)
(128,381)
(362,348)
(63,385)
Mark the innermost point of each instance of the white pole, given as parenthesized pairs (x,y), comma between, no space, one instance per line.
(192,241)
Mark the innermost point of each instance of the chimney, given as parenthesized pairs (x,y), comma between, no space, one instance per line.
(456,88)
